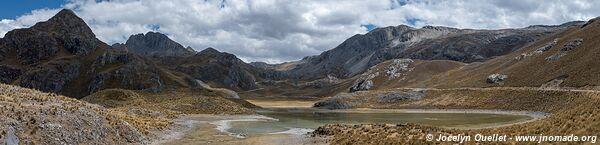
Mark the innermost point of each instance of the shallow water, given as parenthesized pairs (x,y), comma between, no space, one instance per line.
(298,121)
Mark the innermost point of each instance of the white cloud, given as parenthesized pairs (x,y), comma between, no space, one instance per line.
(280,30)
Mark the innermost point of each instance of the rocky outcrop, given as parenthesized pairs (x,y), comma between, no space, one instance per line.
(363,83)
(397,68)
(8,74)
(332,103)
(51,77)
(9,138)
(565,49)
(154,44)
(237,77)
(394,97)
(32,46)
(538,50)
(496,78)
(590,22)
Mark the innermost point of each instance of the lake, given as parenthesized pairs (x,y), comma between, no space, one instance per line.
(297,121)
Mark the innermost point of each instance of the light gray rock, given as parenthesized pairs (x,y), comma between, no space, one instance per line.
(10,138)
(565,49)
(538,50)
(397,68)
(361,85)
(496,78)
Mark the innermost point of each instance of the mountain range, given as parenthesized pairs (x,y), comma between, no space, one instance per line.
(63,55)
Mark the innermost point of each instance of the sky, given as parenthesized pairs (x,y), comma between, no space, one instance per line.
(275,31)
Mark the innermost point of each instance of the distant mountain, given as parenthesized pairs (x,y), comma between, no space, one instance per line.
(63,34)
(564,59)
(62,55)
(219,69)
(360,52)
(154,44)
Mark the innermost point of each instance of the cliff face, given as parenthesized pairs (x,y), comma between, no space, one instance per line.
(360,52)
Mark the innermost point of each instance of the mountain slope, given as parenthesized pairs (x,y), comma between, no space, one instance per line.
(563,59)
(568,62)
(219,69)
(360,52)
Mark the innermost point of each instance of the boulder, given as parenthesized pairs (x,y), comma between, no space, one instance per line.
(10,138)
(361,85)
(496,78)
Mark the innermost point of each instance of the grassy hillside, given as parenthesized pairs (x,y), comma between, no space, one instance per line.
(578,68)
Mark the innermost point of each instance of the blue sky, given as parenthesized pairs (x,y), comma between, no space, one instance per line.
(14,8)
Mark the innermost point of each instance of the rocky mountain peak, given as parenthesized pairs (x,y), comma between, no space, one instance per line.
(222,56)
(66,22)
(156,44)
(209,50)
(64,32)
